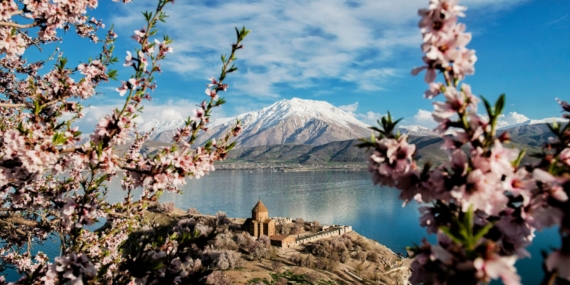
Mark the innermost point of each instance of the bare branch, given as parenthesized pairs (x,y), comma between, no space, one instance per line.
(19,26)
(22,221)
(12,105)
(19,12)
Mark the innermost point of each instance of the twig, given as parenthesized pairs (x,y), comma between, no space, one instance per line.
(12,105)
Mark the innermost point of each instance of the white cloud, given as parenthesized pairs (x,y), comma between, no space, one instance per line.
(511,118)
(350,108)
(292,42)
(421,118)
(515,118)
(369,117)
(162,111)
(424,118)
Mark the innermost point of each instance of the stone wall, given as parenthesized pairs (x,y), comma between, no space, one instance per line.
(329,232)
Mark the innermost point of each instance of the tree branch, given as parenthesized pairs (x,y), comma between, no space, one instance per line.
(19,26)
(19,12)
(12,105)
(134,169)
(21,221)
(18,231)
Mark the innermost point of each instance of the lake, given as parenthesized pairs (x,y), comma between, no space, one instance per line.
(330,197)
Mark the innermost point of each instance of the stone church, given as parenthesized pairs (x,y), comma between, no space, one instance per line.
(260,224)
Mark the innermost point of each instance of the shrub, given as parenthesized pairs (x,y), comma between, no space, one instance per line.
(193,211)
(165,208)
(372,256)
(277,266)
(219,278)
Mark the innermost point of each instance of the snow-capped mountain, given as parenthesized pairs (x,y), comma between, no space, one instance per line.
(294,121)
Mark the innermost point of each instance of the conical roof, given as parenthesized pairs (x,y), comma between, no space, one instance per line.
(259,207)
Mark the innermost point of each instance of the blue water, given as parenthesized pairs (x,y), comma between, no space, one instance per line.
(330,197)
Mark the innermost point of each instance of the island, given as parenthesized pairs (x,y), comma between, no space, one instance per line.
(281,250)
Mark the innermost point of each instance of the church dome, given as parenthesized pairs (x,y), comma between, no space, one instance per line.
(259,207)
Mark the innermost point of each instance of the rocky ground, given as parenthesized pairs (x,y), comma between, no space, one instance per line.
(390,270)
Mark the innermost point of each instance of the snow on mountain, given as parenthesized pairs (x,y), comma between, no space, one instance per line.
(303,109)
(415,130)
(294,121)
(160,126)
(535,122)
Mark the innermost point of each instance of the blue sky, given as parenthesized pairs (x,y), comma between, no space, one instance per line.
(354,54)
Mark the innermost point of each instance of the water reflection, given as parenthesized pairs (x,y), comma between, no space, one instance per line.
(331,197)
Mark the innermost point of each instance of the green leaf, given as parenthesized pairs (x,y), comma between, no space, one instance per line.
(208,145)
(468,225)
(397,121)
(500,105)
(220,101)
(232,69)
(113,74)
(554,128)
(147,15)
(453,237)
(517,161)
(487,107)
(482,232)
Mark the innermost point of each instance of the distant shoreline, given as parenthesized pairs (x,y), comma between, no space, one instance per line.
(292,168)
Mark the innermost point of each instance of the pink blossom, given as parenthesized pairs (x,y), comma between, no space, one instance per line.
(497,266)
(212,93)
(213,82)
(564,104)
(553,184)
(464,63)
(139,34)
(560,262)
(198,114)
(434,90)
(128,85)
(483,191)
(565,156)
(431,67)
(142,59)
(128,59)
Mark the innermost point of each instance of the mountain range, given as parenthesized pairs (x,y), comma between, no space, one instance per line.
(310,131)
